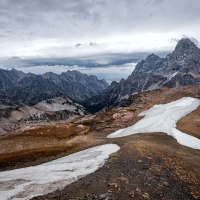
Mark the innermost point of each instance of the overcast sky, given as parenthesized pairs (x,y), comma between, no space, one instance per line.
(93,36)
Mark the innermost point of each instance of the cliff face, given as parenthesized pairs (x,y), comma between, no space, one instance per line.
(178,69)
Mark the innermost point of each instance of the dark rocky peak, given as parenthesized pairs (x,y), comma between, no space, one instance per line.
(73,72)
(73,75)
(114,83)
(104,82)
(185,59)
(122,81)
(13,73)
(84,79)
(152,58)
(149,65)
(19,73)
(8,79)
(31,75)
(185,45)
(48,75)
(185,49)
(95,79)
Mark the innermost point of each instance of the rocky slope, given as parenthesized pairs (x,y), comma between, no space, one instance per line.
(148,165)
(178,69)
(31,89)
(14,115)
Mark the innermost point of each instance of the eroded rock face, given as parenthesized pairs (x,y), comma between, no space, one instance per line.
(178,69)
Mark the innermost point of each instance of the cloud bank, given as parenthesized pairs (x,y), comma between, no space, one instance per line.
(99,32)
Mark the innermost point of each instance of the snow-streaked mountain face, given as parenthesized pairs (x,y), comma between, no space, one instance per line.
(178,69)
(14,115)
(31,89)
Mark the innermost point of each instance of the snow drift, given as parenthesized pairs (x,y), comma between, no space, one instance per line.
(28,182)
(163,118)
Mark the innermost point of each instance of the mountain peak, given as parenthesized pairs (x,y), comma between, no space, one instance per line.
(185,44)
(152,57)
(17,71)
(149,65)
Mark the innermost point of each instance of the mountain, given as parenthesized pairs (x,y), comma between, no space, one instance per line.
(178,69)
(31,89)
(14,115)
(8,79)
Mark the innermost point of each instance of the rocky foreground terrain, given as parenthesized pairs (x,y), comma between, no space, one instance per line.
(147,166)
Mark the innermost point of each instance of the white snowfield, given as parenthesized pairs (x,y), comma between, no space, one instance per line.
(163,118)
(26,183)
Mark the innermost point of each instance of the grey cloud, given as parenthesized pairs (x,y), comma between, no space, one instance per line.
(93,44)
(90,44)
(15,58)
(10,32)
(96,17)
(155,1)
(78,45)
(86,61)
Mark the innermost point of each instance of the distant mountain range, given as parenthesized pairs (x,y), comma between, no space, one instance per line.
(178,69)
(31,89)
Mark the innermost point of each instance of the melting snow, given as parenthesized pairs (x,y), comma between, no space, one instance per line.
(28,182)
(163,118)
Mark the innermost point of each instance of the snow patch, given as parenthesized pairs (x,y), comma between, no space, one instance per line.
(124,97)
(169,77)
(28,182)
(163,118)
(174,74)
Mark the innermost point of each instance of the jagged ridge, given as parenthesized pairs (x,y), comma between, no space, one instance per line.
(31,88)
(178,69)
